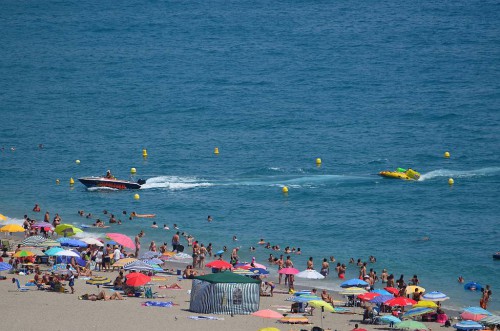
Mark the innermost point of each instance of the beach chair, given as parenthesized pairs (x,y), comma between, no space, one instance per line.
(19,287)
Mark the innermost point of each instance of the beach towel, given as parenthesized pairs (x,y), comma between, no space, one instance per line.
(210,318)
(167,304)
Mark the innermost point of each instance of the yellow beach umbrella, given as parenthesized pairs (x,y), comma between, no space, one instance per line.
(269,329)
(121,262)
(12,228)
(67,230)
(353,291)
(411,289)
(3,217)
(425,303)
(320,303)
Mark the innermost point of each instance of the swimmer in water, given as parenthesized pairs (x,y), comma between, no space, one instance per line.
(234,238)
(176,227)
(460,279)
(165,227)
(154,226)
(209,218)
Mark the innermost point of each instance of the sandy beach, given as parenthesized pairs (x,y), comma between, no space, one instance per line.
(34,309)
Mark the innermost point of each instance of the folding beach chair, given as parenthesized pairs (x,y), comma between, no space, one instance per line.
(19,287)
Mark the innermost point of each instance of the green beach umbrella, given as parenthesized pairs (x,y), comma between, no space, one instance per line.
(412,325)
(67,230)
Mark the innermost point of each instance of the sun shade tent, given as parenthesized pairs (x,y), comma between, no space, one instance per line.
(224,293)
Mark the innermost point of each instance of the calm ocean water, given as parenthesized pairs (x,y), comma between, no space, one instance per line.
(365,86)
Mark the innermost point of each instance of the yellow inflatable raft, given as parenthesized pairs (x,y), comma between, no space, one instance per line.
(399,173)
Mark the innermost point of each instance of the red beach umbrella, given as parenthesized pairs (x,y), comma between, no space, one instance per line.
(137,279)
(219,264)
(400,301)
(368,296)
(288,271)
(394,291)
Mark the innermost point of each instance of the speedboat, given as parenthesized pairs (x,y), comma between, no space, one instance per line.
(113,183)
(400,173)
(496,256)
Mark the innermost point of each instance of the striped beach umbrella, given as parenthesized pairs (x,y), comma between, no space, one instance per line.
(477,310)
(121,262)
(98,280)
(491,320)
(23,254)
(150,255)
(435,296)
(33,241)
(417,312)
(49,243)
(468,325)
(138,265)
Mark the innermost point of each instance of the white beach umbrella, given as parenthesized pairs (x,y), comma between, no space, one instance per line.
(92,241)
(310,274)
(67,253)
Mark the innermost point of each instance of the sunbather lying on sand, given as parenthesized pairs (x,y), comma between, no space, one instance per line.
(101,296)
(174,286)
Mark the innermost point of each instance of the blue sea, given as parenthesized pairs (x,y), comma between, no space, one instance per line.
(365,86)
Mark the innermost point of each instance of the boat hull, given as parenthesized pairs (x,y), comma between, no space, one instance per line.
(109,183)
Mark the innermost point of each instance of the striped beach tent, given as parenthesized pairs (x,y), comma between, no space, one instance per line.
(224,293)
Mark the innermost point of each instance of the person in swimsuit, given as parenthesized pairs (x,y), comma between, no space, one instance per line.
(325,268)
(310,264)
(138,243)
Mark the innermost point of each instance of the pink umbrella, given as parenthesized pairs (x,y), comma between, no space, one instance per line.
(289,271)
(255,265)
(471,316)
(121,239)
(267,313)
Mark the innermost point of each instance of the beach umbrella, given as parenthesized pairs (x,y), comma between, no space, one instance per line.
(294,319)
(92,241)
(417,312)
(72,242)
(53,250)
(288,271)
(23,254)
(468,325)
(138,265)
(477,310)
(491,320)
(67,253)
(411,289)
(471,316)
(341,310)
(219,264)
(303,298)
(137,279)
(121,239)
(359,329)
(3,217)
(392,290)
(98,280)
(61,268)
(154,261)
(435,296)
(12,228)
(33,240)
(67,230)
(267,313)
(5,266)
(412,325)
(310,274)
(382,292)
(182,256)
(355,282)
(243,272)
(121,262)
(255,265)
(219,252)
(44,225)
(400,301)
(321,304)
(35,251)
(381,299)
(367,296)
(388,319)
(49,243)
(353,291)
(269,329)
(425,303)
(150,255)
(473,286)
(259,271)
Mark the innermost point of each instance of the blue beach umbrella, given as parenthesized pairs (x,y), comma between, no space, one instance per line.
(303,298)
(5,266)
(354,282)
(381,299)
(259,271)
(153,261)
(150,255)
(388,319)
(72,242)
(382,292)
(219,252)
(468,325)
(53,250)
(417,312)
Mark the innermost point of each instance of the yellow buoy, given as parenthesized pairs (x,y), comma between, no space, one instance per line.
(216,150)
(77,161)
(137,196)
(451,181)
(71,181)
(284,189)
(133,171)
(57,181)
(144,153)
(318,161)
(447,155)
